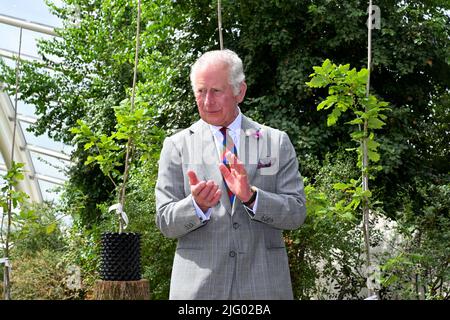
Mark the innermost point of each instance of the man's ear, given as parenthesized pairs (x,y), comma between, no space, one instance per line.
(242,90)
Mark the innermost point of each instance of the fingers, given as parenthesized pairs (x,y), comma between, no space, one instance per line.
(208,190)
(213,196)
(224,171)
(236,164)
(216,197)
(206,193)
(193,180)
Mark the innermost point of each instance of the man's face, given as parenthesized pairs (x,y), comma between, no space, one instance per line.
(215,99)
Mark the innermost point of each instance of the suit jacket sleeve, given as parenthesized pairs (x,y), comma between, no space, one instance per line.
(175,212)
(285,207)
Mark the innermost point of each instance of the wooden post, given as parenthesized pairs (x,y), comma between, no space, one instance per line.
(122,290)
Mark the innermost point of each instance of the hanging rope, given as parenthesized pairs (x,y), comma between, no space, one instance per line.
(16,96)
(365,162)
(219,20)
(369,47)
(129,147)
(136,54)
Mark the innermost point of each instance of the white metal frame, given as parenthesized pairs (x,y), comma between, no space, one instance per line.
(29,185)
(22,150)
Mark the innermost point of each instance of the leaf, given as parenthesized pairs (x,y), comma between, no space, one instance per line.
(75,130)
(50,228)
(342,186)
(89,160)
(347,216)
(356,121)
(372,145)
(322,105)
(374,156)
(355,203)
(363,76)
(88,145)
(357,135)
(318,81)
(333,117)
(386,282)
(375,123)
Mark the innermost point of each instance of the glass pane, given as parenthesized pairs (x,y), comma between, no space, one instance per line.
(9,62)
(49,166)
(10,37)
(43,140)
(49,190)
(32,10)
(25,108)
(29,43)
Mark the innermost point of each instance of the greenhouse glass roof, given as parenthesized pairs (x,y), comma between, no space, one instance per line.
(45,159)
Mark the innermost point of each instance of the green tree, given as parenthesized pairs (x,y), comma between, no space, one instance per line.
(347,91)
(88,69)
(14,211)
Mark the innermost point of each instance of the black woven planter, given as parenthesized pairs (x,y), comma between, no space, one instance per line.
(120,256)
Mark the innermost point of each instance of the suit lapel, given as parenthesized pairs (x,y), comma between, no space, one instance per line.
(251,146)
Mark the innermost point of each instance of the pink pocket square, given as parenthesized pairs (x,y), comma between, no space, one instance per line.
(266,163)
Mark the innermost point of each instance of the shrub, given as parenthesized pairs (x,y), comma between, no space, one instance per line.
(39,276)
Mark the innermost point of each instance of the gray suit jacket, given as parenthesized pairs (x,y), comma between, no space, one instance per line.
(236,254)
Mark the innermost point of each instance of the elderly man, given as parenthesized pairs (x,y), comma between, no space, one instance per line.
(227,187)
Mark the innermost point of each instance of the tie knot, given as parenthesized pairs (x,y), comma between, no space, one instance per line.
(224,131)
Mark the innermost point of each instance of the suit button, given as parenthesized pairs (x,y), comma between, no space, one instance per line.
(235,225)
(232,254)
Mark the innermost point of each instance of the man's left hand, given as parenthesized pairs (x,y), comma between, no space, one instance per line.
(236,177)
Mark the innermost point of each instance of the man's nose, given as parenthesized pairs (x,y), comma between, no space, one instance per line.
(209,99)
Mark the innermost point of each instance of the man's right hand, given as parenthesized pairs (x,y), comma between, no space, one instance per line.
(206,193)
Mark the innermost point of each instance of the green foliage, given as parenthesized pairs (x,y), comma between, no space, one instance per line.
(325,253)
(37,248)
(108,151)
(16,211)
(347,91)
(10,196)
(418,267)
(135,134)
(83,251)
(157,251)
(39,270)
(88,70)
(42,229)
(39,276)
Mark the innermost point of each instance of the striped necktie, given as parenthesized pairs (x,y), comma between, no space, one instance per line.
(227,145)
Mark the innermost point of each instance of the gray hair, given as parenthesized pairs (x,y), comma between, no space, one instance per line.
(230,58)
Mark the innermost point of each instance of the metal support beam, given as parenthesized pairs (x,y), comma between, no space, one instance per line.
(29,184)
(13,56)
(33,26)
